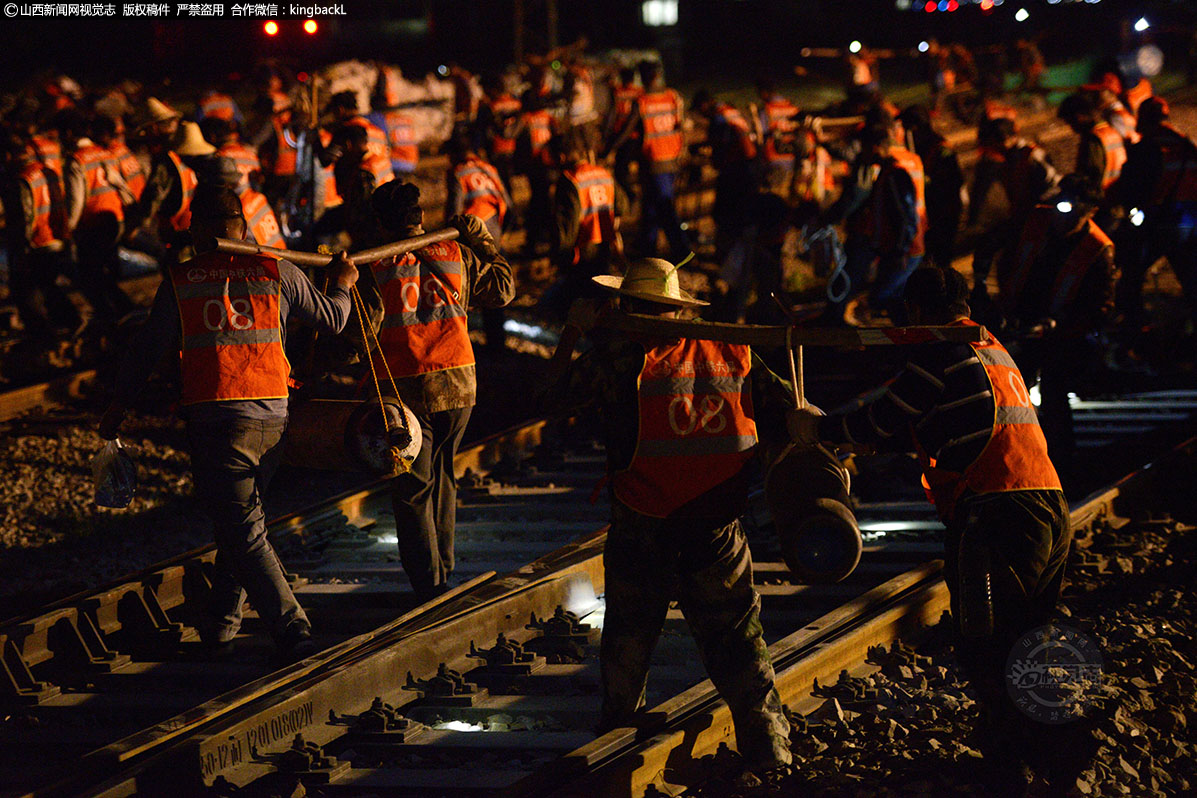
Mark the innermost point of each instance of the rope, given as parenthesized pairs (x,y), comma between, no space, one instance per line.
(370,341)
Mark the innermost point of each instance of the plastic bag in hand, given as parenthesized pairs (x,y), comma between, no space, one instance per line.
(114,475)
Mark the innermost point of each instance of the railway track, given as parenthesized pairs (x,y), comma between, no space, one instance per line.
(107,696)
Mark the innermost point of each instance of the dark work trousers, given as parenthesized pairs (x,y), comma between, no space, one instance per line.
(45,308)
(1021,539)
(649,561)
(99,266)
(425,502)
(232,463)
(658,213)
(627,155)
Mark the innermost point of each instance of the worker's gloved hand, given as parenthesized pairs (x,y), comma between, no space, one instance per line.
(473,233)
(803,424)
(110,422)
(342,271)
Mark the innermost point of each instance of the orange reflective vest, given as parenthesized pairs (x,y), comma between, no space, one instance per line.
(217,105)
(48,153)
(287,148)
(378,166)
(130,169)
(779,132)
(244,157)
(481,189)
(1015,457)
(1068,279)
(1178,175)
(181,219)
(1133,97)
(1115,149)
(696,427)
(230,313)
(884,230)
(731,116)
(816,177)
(596,195)
(326,182)
(1114,112)
(505,110)
(405,146)
(424,326)
(624,99)
(101,197)
(376,139)
(541,125)
(260,219)
(47,214)
(661,113)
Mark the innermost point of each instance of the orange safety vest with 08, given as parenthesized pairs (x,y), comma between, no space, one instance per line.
(425,328)
(1015,456)
(596,195)
(696,427)
(231,319)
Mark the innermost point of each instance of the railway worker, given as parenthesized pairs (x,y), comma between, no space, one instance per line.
(215,104)
(261,223)
(779,132)
(582,113)
(356,175)
(227,317)
(987,471)
(624,95)
(1058,287)
(377,158)
(537,126)
(1160,182)
(945,184)
(1101,152)
(497,126)
(399,126)
(127,161)
(657,120)
(96,196)
(677,490)
(733,154)
(226,137)
(587,208)
(164,208)
(884,204)
(1012,176)
(278,149)
(425,341)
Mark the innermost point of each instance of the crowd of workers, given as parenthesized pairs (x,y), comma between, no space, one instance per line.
(1068,253)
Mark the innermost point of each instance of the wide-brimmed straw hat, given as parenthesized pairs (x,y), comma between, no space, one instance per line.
(653,280)
(153,112)
(190,141)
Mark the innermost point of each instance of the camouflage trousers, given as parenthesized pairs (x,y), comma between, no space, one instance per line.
(649,561)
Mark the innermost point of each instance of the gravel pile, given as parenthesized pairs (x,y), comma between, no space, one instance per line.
(906,730)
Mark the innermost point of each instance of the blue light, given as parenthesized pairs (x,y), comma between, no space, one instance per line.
(943,5)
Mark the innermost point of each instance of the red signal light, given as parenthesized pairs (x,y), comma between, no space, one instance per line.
(270,28)
(953,5)
(930,7)
(310,27)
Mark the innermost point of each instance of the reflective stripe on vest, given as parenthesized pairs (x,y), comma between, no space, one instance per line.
(405,147)
(260,219)
(44,225)
(49,153)
(181,219)
(101,197)
(481,189)
(1178,176)
(218,106)
(884,232)
(326,188)
(245,159)
(740,129)
(1014,458)
(596,195)
(1072,274)
(130,168)
(661,113)
(779,138)
(287,154)
(696,428)
(1136,94)
(379,167)
(1115,149)
(424,326)
(232,328)
(376,139)
(505,110)
(624,98)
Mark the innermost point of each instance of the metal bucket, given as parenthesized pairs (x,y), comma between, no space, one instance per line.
(349,435)
(806,489)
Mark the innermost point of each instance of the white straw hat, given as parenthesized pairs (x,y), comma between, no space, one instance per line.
(651,279)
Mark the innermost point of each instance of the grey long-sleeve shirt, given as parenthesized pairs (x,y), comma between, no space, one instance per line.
(162,334)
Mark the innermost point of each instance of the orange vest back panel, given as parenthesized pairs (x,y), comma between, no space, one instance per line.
(260,219)
(181,219)
(130,168)
(481,188)
(401,136)
(696,427)
(424,326)
(661,112)
(244,157)
(47,219)
(596,193)
(232,328)
(1015,458)
(101,196)
(1115,147)
(624,99)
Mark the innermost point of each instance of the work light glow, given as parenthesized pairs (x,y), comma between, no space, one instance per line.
(1021,15)
(854,47)
(1136,217)
(1064,206)
(1142,24)
(310,27)
(924,47)
(659,13)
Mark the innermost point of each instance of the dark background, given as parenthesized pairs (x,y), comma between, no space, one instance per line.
(712,37)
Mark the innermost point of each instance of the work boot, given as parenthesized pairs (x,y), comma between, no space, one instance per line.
(295,644)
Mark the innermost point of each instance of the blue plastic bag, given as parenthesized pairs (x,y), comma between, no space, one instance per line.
(114,475)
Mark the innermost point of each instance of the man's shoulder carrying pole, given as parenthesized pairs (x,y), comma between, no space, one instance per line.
(395,249)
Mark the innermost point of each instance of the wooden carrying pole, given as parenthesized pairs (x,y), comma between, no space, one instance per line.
(397,248)
(778,336)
